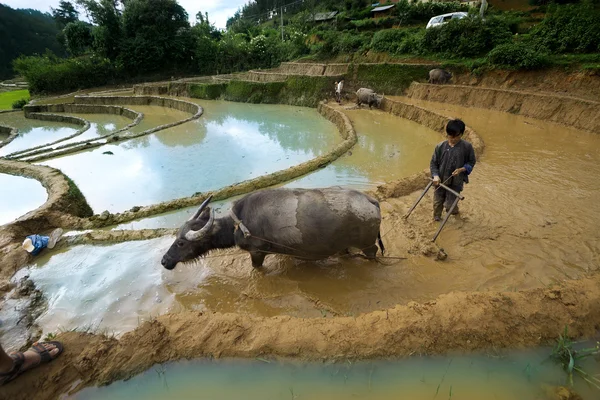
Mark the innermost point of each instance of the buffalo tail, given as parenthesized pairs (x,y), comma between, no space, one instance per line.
(380,243)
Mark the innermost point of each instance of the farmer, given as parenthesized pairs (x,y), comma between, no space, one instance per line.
(16,363)
(338,91)
(451,163)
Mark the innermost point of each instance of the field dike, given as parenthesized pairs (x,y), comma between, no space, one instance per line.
(453,322)
(96,102)
(570,111)
(457,321)
(10,132)
(35,111)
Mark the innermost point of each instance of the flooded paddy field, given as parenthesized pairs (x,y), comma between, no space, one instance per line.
(230,143)
(528,222)
(33,132)
(513,235)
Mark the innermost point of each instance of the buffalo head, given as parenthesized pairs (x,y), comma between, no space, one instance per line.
(193,239)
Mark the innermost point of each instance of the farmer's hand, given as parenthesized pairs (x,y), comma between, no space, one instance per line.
(436,180)
(458,171)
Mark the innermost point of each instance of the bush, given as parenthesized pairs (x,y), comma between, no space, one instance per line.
(49,74)
(569,29)
(517,56)
(375,23)
(335,43)
(467,37)
(19,104)
(388,40)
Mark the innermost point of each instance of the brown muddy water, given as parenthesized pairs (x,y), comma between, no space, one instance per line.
(529,220)
(30,192)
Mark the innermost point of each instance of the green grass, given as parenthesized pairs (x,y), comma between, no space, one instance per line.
(8,98)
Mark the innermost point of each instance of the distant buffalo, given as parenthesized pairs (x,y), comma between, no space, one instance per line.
(439,76)
(368,96)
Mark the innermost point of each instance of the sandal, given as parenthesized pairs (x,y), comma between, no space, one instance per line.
(19,360)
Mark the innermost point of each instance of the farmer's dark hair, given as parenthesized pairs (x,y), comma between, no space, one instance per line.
(455,127)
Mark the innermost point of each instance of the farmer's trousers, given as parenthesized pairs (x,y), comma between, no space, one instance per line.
(443,198)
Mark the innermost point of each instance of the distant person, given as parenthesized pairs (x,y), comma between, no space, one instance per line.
(335,90)
(13,365)
(451,164)
(338,92)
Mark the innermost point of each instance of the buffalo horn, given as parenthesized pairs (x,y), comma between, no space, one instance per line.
(202,206)
(196,235)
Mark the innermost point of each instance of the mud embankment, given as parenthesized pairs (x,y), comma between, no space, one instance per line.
(453,322)
(570,111)
(10,132)
(582,84)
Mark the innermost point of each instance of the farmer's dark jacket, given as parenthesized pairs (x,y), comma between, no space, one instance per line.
(446,159)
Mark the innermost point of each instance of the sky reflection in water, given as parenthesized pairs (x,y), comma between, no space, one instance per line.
(232,142)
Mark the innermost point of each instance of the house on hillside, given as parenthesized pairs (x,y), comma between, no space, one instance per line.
(324,17)
(382,11)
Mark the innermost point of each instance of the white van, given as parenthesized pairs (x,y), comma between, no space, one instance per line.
(444,18)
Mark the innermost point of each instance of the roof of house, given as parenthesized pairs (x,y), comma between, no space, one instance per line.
(324,16)
(383,8)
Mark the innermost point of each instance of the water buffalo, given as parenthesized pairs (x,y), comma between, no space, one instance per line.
(368,96)
(439,76)
(304,223)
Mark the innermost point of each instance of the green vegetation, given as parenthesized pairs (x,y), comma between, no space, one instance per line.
(570,359)
(152,39)
(389,78)
(8,99)
(517,56)
(28,32)
(75,201)
(299,91)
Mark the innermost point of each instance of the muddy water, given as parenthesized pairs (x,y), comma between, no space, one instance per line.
(29,192)
(232,142)
(531,215)
(33,132)
(501,377)
(529,220)
(388,148)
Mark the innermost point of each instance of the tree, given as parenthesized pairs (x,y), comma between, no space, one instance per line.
(78,37)
(156,35)
(65,13)
(107,34)
(27,32)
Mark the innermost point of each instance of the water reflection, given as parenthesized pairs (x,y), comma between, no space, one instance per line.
(229,144)
(33,132)
(19,196)
(388,148)
(102,287)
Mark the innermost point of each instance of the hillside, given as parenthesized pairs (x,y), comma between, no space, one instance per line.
(25,31)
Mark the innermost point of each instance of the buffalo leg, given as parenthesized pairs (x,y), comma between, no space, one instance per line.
(371,251)
(257,258)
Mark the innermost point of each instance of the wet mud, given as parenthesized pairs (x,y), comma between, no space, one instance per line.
(522,263)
